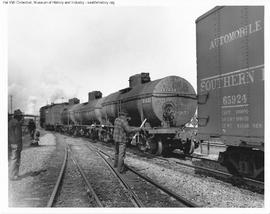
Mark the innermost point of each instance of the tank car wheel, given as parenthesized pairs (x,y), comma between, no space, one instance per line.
(189,147)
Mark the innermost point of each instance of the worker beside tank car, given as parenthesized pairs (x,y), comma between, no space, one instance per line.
(121,130)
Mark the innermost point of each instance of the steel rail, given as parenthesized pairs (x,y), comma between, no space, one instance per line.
(163,188)
(89,187)
(59,179)
(215,145)
(132,196)
(248,181)
(166,190)
(259,184)
(201,158)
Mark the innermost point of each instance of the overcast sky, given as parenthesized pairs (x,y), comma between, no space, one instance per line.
(56,53)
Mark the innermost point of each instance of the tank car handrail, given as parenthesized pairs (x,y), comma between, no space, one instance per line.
(87,110)
(191,96)
(148,95)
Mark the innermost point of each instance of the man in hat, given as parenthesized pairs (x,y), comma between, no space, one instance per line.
(31,128)
(36,139)
(15,144)
(121,129)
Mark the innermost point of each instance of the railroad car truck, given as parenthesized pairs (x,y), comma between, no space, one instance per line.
(230,80)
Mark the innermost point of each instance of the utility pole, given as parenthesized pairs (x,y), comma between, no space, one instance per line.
(10,104)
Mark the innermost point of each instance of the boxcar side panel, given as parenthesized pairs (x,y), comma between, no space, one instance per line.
(230,66)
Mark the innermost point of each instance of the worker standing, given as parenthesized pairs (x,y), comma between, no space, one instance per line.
(15,144)
(121,129)
(31,128)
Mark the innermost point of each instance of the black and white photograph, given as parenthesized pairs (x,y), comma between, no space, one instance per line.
(110,106)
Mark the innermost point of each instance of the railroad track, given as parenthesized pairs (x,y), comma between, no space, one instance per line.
(180,199)
(128,190)
(233,179)
(59,180)
(131,195)
(254,185)
(243,182)
(90,192)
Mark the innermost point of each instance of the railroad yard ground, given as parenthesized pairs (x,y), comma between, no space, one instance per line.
(39,165)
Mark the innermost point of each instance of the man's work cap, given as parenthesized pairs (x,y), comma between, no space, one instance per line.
(18,112)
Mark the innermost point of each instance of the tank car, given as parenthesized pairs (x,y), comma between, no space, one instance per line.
(84,118)
(53,115)
(42,116)
(230,66)
(167,104)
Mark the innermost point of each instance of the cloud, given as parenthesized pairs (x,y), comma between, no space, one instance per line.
(57,95)
(31,104)
(68,52)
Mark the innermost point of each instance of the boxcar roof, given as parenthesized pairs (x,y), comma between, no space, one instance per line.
(208,13)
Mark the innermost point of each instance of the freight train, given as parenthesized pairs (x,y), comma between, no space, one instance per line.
(166,104)
(230,97)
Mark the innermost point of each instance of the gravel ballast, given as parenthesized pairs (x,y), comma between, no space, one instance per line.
(33,187)
(202,190)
